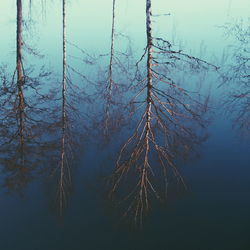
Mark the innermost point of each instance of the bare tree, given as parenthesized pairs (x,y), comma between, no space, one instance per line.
(23,123)
(19,69)
(166,114)
(112,84)
(69,118)
(236,75)
(64,178)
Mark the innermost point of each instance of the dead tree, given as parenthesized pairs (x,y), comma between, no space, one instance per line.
(19,69)
(63,164)
(112,117)
(69,110)
(166,113)
(63,107)
(13,126)
(112,84)
(22,124)
(236,75)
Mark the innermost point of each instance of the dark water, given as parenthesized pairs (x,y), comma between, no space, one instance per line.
(213,213)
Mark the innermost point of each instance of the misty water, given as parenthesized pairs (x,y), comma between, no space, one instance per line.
(210,210)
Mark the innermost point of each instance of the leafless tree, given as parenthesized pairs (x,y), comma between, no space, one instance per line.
(237,75)
(70,116)
(113,83)
(166,114)
(62,151)
(21,128)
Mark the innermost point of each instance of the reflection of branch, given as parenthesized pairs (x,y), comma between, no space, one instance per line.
(90,58)
(159,15)
(177,55)
(143,55)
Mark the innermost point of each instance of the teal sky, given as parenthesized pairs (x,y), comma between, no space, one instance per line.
(191,22)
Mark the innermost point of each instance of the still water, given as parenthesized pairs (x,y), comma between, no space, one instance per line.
(213,213)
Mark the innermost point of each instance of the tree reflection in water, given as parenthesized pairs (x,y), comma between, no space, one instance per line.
(168,119)
(41,130)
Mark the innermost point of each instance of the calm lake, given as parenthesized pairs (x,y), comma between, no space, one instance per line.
(189,131)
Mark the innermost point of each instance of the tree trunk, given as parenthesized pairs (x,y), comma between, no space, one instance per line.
(112,51)
(149,69)
(19,69)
